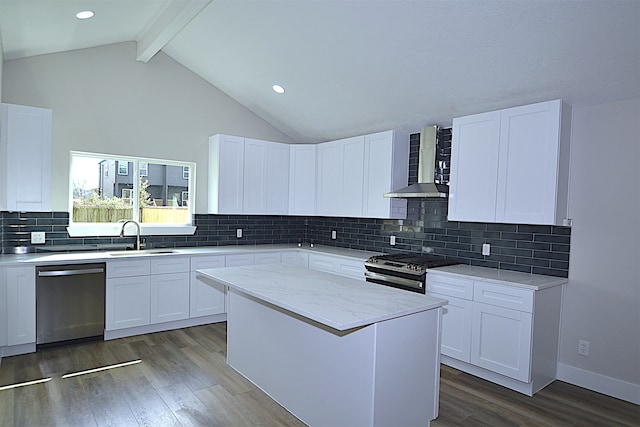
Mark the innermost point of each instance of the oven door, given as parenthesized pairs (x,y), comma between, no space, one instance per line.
(414,283)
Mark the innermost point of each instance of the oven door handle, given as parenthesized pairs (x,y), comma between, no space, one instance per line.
(417,284)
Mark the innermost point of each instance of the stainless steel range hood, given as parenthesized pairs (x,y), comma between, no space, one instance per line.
(426,186)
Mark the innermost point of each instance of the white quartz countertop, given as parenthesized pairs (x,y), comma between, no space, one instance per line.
(108,255)
(513,278)
(335,301)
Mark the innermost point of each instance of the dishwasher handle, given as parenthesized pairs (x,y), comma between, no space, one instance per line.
(55,273)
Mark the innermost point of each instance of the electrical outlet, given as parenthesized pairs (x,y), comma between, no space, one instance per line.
(239,233)
(583,347)
(334,234)
(486,249)
(37,237)
(392,240)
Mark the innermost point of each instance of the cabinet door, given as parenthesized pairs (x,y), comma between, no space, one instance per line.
(302,179)
(501,341)
(255,176)
(329,195)
(528,164)
(21,305)
(352,176)
(25,153)
(277,179)
(169,297)
(382,161)
(456,327)
(3,306)
(206,298)
(226,174)
(474,167)
(128,302)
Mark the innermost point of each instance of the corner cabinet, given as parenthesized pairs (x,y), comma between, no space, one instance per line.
(25,158)
(354,173)
(248,176)
(512,165)
(503,333)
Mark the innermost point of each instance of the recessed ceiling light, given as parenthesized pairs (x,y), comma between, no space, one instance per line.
(85,14)
(278,89)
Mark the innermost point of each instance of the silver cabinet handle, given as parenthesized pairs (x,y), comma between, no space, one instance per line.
(55,273)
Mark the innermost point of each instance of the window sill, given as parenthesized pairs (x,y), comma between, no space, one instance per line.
(111,230)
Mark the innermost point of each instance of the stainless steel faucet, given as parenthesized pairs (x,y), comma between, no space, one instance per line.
(137,233)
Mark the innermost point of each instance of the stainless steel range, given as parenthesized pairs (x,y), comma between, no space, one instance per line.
(404,271)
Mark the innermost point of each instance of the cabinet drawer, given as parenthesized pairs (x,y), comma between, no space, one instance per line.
(239,260)
(295,258)
(128,268)
(169,264)
(503,296)
(337,265)
(267,258)
(209,261)
(450,286)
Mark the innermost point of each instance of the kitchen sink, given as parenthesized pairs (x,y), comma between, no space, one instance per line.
(142,252)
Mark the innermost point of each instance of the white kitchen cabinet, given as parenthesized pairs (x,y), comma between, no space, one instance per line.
(267,258)
(128,302)
(128,294)
(238,260)
(25,158)
(511,166)
(3,308)
(501,341)
(500,332)
(248,176)
(226,174)
(386,163)
(302,179)
(169,297)
(340,177)
(277,180)
(206,298)
(337,265)
(169,284)
(20,305)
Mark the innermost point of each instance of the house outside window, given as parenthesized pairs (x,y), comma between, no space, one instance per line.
(144,168)
(185,172)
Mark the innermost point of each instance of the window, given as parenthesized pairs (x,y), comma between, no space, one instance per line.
(101,194)
(123,167)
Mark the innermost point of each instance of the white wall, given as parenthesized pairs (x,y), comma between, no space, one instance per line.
(602,300)
(105,101)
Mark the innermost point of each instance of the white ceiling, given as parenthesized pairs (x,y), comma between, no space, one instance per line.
(358,66)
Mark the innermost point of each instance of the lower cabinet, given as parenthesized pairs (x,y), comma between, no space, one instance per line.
(128,302)
(20,305)
(502,333)
(169,297)
(295,258)
(337,265)
(205,299)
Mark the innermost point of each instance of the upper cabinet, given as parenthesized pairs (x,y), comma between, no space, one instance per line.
(302,179)
(345,178)
(248,176)
(354,173)
(340,177)
(511,166)
(25,158)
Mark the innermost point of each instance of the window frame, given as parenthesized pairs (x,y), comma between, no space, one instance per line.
(84,229)
(120,168)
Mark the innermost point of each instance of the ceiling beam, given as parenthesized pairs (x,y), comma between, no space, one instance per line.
(173,18)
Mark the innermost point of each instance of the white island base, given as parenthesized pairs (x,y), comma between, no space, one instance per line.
(381,374)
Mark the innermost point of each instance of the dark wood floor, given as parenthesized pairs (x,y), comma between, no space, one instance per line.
(183,381)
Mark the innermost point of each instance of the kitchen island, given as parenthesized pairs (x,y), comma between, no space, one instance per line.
(334,351)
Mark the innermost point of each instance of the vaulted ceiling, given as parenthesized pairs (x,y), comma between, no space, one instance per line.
(357,66)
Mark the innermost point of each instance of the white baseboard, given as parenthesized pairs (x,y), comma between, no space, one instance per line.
(613,387)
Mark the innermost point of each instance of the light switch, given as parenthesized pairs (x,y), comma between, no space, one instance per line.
(37,237)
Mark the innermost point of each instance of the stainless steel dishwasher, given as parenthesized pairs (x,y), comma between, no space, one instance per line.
(69,303)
